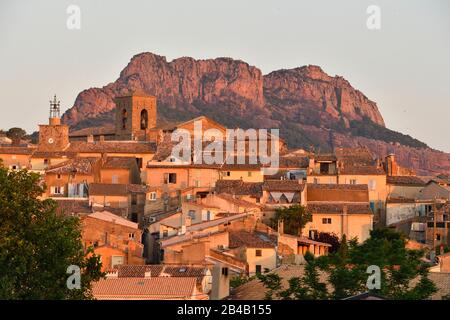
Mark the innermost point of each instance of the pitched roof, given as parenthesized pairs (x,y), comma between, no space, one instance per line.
(239,187)
(76,165)
(249,240)
(238,202)
(16,150)
(334,186)
(405,181)
(283,185)
(293,161)
(111,217)
(119,163)
(145,288)
(72,206)
(93,131)
(107,189)
(338,208)
(112,147)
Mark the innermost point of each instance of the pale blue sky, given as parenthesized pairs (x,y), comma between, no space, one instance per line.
(404,67)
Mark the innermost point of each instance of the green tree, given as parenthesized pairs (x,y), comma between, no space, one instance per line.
(37,245)
(294,218)
(16,133)
(403,274)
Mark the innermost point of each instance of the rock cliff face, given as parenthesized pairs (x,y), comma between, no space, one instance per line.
(309,106)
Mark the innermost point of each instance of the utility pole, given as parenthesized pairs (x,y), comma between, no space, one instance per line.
(434,227)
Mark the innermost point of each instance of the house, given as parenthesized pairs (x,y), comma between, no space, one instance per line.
(291,246)
(202,273)
(281,193)
(358,166)
(129,197)
(255,248)
(438,225)
(249,191)
(246,172)
(435,190)
(339,209)
(408,187)
(153,288)
(115,239)
(322,168)
(119,170)
(16,157)
(70,179)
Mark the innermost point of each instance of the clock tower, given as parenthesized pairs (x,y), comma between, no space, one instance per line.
(53,136)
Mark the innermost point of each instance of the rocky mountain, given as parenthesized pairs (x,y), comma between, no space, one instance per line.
(311,108)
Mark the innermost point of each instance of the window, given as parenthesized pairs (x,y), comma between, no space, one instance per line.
(258,253)
(116,261)
(326,220)
(45,162)
(165,233)
(57,190)
(58,176)
(115,179)
(324,168)
(124,119)
(191,214)
(131,236)
(170,178)
(316,181)
(249,174)
(197,183)
(225,271)
(372,184)
(352,181)
(152,196)
(144,119)
(258,269)
(14,167)
(208,215)
(227,173)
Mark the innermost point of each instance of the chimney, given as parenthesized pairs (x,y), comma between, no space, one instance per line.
(90,138)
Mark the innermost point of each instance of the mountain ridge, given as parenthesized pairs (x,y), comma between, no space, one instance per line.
(311,108)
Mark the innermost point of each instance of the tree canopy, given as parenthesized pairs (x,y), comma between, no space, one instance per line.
(37,245)
(403,275)
(294,218)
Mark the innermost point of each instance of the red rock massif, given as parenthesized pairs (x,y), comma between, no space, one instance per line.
(310,107)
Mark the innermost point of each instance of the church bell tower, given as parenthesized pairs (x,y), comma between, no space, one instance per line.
(53,136)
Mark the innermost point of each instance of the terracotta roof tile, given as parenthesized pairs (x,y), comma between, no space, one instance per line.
(112,147)
(283,185)
(239,187)
(76,165)
(16,150)
(332,186)
(249,240)
(405,181)
(119,163)
(147,288)
(338,208)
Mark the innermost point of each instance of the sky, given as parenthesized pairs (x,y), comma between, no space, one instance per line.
(404,65)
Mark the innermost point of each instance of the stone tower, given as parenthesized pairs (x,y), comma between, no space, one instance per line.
(135,116)
(53,136)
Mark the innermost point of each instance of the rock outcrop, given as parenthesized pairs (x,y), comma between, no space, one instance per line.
(310,107)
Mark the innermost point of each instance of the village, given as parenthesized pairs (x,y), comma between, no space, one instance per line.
(170,227)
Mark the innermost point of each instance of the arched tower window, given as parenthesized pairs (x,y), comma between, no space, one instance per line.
(124,119)
(144,119)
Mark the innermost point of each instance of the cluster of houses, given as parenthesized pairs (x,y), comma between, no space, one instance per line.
(171,229)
